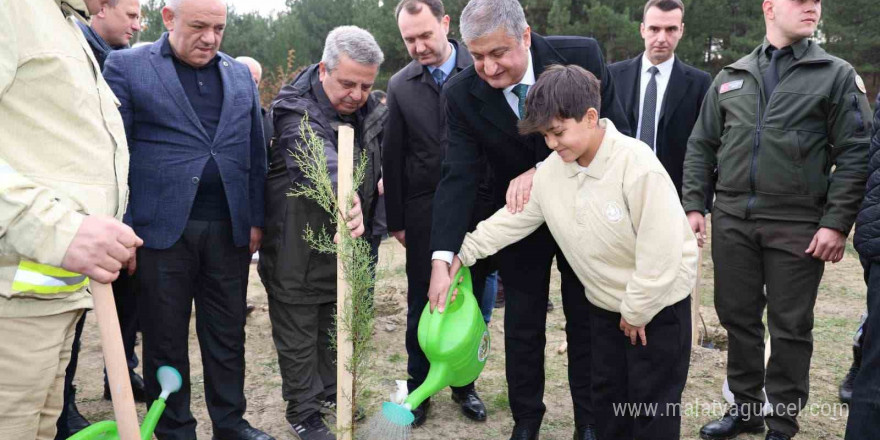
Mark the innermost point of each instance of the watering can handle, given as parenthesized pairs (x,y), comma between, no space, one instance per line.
(462,277)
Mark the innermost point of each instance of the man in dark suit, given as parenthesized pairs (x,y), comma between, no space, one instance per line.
(661,95)
(414,147)
(483,105)
(197,175)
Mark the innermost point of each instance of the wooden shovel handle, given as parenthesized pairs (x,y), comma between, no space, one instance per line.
(115,362)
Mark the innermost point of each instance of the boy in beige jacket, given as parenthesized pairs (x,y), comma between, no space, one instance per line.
(615,213)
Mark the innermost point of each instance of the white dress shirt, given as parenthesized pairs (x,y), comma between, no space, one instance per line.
(665,71)
(513,101)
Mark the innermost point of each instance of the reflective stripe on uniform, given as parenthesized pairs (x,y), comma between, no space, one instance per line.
(42,279)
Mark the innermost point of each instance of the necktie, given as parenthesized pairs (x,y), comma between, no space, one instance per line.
(771,75)
(649,109)
(521,90)
(439,77)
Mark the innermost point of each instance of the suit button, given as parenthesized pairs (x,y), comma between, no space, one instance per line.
(195,180)
(213,153)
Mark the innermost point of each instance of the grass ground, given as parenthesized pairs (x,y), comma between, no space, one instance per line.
(840,304)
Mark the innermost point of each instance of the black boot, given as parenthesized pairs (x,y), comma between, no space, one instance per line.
(731,425)
(846,387)
(75,421)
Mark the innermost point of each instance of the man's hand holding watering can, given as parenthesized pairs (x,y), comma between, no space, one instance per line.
(441,278)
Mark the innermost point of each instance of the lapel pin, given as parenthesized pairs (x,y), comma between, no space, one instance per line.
(225,64)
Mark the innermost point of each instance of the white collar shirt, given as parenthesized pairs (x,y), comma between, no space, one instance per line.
(663,75)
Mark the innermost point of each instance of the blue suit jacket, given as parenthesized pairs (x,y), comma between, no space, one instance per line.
(169,147)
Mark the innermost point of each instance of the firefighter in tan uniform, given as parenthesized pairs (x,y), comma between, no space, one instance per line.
(63,173)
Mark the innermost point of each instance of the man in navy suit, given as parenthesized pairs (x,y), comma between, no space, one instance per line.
(197,175)
(484,103)
(661,95)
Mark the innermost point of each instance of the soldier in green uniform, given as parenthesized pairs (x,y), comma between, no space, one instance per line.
(775,124)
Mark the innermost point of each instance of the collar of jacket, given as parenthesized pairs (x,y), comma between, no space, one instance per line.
(798,48)
(813,54)
(544,54)
(74,7)
(94,39)
(597,166)
(374,122)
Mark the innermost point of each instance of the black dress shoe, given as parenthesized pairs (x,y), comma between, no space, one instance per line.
(246,433)
(776,435)
(730,426)
(586,433)
(137,388)
(471,405)
(421,413)
(523,432)
(75,421)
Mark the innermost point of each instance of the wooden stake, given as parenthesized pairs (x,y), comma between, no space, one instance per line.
(115,361)
(695,301)
(344,348)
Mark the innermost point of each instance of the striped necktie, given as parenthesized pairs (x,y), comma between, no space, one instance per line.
(521,90)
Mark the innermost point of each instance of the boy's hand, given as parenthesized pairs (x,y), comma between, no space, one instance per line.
(633,333)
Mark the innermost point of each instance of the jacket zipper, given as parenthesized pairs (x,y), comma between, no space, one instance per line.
(759,126)
(753,168)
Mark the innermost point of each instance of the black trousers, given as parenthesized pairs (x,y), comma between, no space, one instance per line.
(203,265)
(864,412)
(525,269)
(306,358)
(418,275)
(749,255)
(126,310)
(637,389)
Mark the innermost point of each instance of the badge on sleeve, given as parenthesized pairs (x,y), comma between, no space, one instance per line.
(730,86)
(860,83)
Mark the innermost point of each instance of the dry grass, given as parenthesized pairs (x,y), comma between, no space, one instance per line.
(841,302)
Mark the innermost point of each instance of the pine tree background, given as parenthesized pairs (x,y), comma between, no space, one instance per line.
(717,32)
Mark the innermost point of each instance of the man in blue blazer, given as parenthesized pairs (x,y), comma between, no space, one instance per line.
(198,169)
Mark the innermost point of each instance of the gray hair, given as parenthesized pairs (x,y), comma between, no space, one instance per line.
(353,42)
(248,61)
(482,17)
(175,4)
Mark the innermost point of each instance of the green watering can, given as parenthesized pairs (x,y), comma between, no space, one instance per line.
(456,343)
(170,381)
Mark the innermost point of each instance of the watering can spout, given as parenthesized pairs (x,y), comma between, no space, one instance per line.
(456,343)
(438,378)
